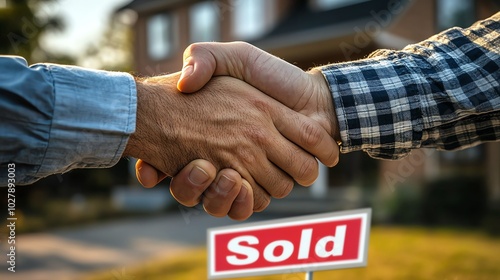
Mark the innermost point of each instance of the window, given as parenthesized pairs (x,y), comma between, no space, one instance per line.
(204,22)
(452,13)
(252,18)
(3,4)
(161,39)
(324,5)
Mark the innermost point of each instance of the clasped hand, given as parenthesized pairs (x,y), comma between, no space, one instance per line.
(229,145)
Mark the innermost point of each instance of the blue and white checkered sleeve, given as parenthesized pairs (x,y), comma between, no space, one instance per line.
(441,93)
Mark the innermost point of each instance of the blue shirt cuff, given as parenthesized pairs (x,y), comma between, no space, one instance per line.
(94,115)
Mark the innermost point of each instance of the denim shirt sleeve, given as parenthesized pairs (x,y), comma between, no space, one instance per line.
(56,118)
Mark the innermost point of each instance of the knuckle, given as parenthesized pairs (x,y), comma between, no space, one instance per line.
(261,103)
(244,44)
(197,49)
(188,51)
(246,157)
(192,48)
(245,47)
(258,136)
(311,134)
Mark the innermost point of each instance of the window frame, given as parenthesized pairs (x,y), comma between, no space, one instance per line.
(216,28)
(264,19)
(170,35)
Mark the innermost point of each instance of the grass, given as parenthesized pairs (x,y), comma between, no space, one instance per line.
(394,253)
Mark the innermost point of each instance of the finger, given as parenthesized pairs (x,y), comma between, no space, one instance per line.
(300,165)
(147,175)
(292,161)
(219,196)
(261,197)
(241,209)
(266,178)
(309,135)
(189,184)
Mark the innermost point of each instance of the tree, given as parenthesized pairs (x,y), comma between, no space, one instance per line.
(21,28)
(113,51)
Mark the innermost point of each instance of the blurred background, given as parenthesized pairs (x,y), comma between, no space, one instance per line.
(436,214)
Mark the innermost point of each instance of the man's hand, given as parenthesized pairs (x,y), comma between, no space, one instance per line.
(230,124)
(200,178)
(197,181)
(305,92)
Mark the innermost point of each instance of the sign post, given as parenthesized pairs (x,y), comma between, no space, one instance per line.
(302,244)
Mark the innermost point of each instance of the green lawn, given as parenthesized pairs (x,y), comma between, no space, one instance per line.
(394,253)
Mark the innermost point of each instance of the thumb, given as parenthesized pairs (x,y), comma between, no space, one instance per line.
(198,68)
(271,75)
(147,175)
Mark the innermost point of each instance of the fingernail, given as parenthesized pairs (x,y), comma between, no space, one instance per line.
(187,70)
(198,176)
(243,193)
(225,184)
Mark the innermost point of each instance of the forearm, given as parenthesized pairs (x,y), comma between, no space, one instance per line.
(61,117)
(441,93)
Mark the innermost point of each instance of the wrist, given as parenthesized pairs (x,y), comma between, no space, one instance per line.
(132,148)
(326,99)
(149,94)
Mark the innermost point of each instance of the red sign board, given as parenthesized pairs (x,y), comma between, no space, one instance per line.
(316,242)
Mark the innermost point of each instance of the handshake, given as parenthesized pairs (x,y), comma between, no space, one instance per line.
(247,126)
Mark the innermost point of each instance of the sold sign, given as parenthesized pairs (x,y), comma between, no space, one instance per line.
(307,243)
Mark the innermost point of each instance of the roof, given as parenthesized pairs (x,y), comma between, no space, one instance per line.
(306,23)
(313,25)
(149,5)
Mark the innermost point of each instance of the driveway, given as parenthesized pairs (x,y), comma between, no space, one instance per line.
(115,245)
(69,253)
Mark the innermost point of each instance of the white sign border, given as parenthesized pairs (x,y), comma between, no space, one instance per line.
(364,214)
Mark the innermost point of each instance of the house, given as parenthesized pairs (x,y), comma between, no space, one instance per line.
(314,32)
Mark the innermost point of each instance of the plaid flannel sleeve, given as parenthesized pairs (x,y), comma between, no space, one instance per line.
(441,93)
